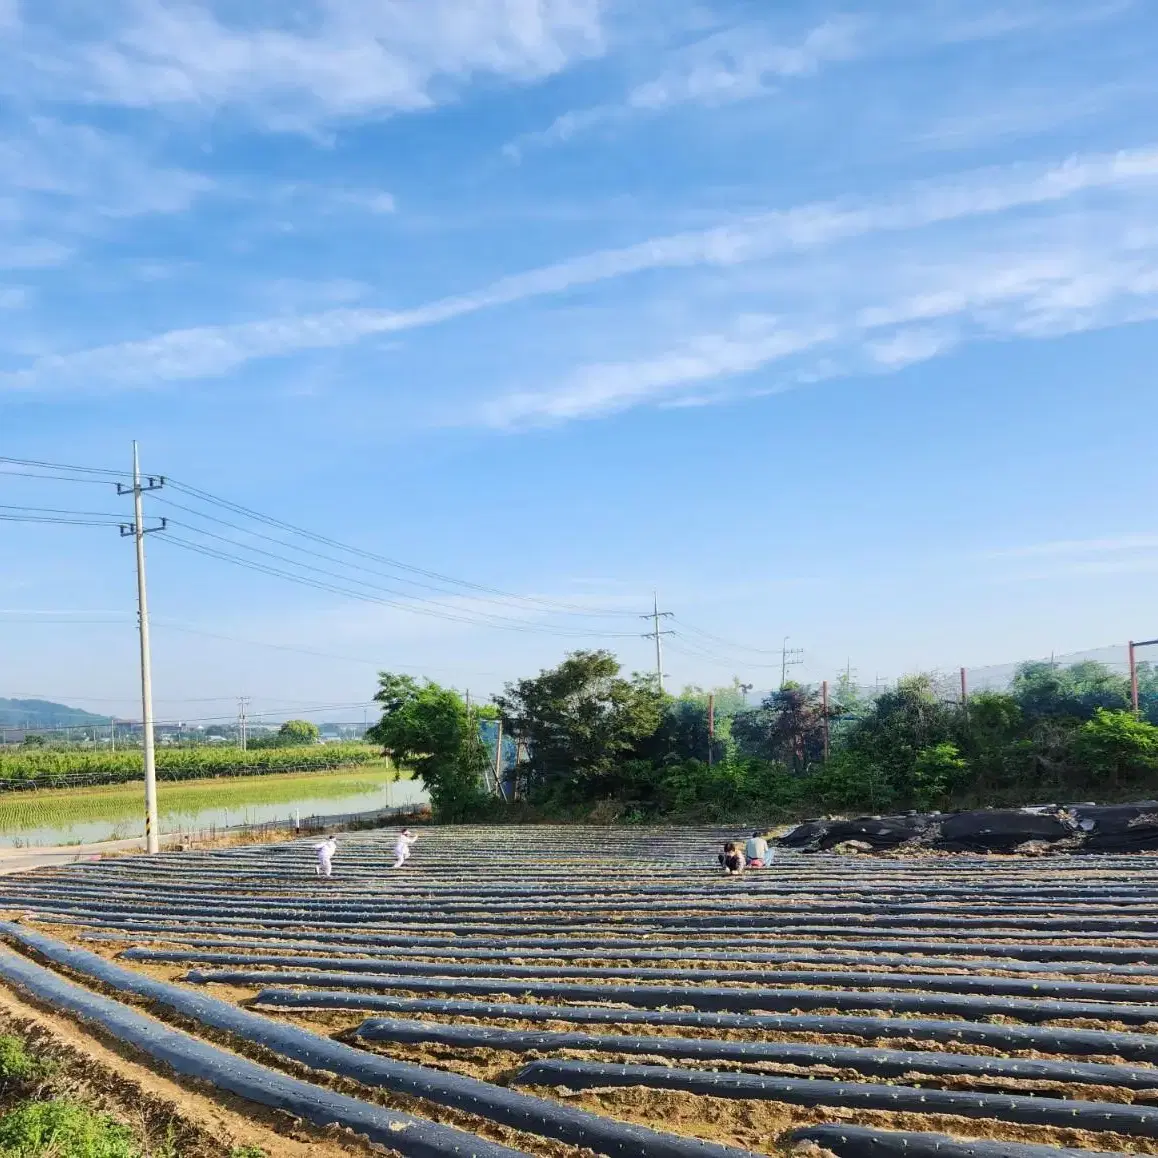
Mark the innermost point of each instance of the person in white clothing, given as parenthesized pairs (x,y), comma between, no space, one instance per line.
(325,851)
(402,844)
(756,850)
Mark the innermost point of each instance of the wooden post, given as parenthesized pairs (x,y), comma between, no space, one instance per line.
(711,724)
(824,713)
(964,688)
(499,762)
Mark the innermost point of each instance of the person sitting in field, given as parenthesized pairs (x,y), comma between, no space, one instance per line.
(732,859)
(756,850)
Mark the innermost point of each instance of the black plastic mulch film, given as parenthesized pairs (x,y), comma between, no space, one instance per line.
(1132,1046)
(884,1062)
(1141,1121)
(491,929)
(699,997)
(508,1107)
(865,1142)
(185,1054)
(1007,986)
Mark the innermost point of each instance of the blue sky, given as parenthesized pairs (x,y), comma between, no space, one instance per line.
(834,322)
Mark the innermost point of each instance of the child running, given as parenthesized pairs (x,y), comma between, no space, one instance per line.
(402,845)
(325,851)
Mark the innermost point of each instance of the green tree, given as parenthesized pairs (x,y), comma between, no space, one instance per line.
(787,728)
(1075,692)
(294,732)
(32,740)
(683,732)
(937,772)
(579,721)
(1115,748)
(430,728)
(900,725)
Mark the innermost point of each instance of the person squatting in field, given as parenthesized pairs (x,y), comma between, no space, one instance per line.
(325,851)
(402,845)
(732,859)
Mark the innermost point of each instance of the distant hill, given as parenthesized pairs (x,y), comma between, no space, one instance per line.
(38,714)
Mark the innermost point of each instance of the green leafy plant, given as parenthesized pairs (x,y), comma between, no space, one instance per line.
(63,1129)
(16,1063)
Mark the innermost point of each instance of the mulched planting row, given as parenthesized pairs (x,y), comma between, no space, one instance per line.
(994,1005)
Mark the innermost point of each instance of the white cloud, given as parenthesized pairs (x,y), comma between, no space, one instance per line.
(306,64)
(603,389)
(105,174)
(12,297)
(214,350)
(737,64)
(980,297)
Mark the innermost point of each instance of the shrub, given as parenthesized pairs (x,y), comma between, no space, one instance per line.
(63,1129)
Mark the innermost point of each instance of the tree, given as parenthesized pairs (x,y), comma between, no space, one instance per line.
(33,740)
(579,720)
(937,771)
(1075,692)
(788,727)
(294,732)
(683,729)
(1115,747)
(901,725)
(431,729)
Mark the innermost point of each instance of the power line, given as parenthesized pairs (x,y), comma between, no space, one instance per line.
(237,508)
(94,470)
(726,642)
(320,585)
(490,617)
(169,626)
(501,600)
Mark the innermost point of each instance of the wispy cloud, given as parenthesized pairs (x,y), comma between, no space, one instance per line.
(98,172)
(736,64)
(982,297)
(214,350)
(1134,541)
(304,64)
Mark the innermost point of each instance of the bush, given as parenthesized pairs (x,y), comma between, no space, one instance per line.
(1114,747)
(63,1129)
(16,1063)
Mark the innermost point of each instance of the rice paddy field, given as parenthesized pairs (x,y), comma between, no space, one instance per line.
(112,812)
(569,991)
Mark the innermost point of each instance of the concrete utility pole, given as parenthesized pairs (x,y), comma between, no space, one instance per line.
(655,615)
(243,720)
(138,530)
(789,657)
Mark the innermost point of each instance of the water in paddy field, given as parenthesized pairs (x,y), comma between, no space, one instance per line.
(31,819)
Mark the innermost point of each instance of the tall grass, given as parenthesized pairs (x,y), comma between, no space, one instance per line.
(40,767)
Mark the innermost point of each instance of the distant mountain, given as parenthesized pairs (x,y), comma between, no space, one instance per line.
(44,714)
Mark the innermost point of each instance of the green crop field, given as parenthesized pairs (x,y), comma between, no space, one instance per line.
(63,807)
(49,766)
